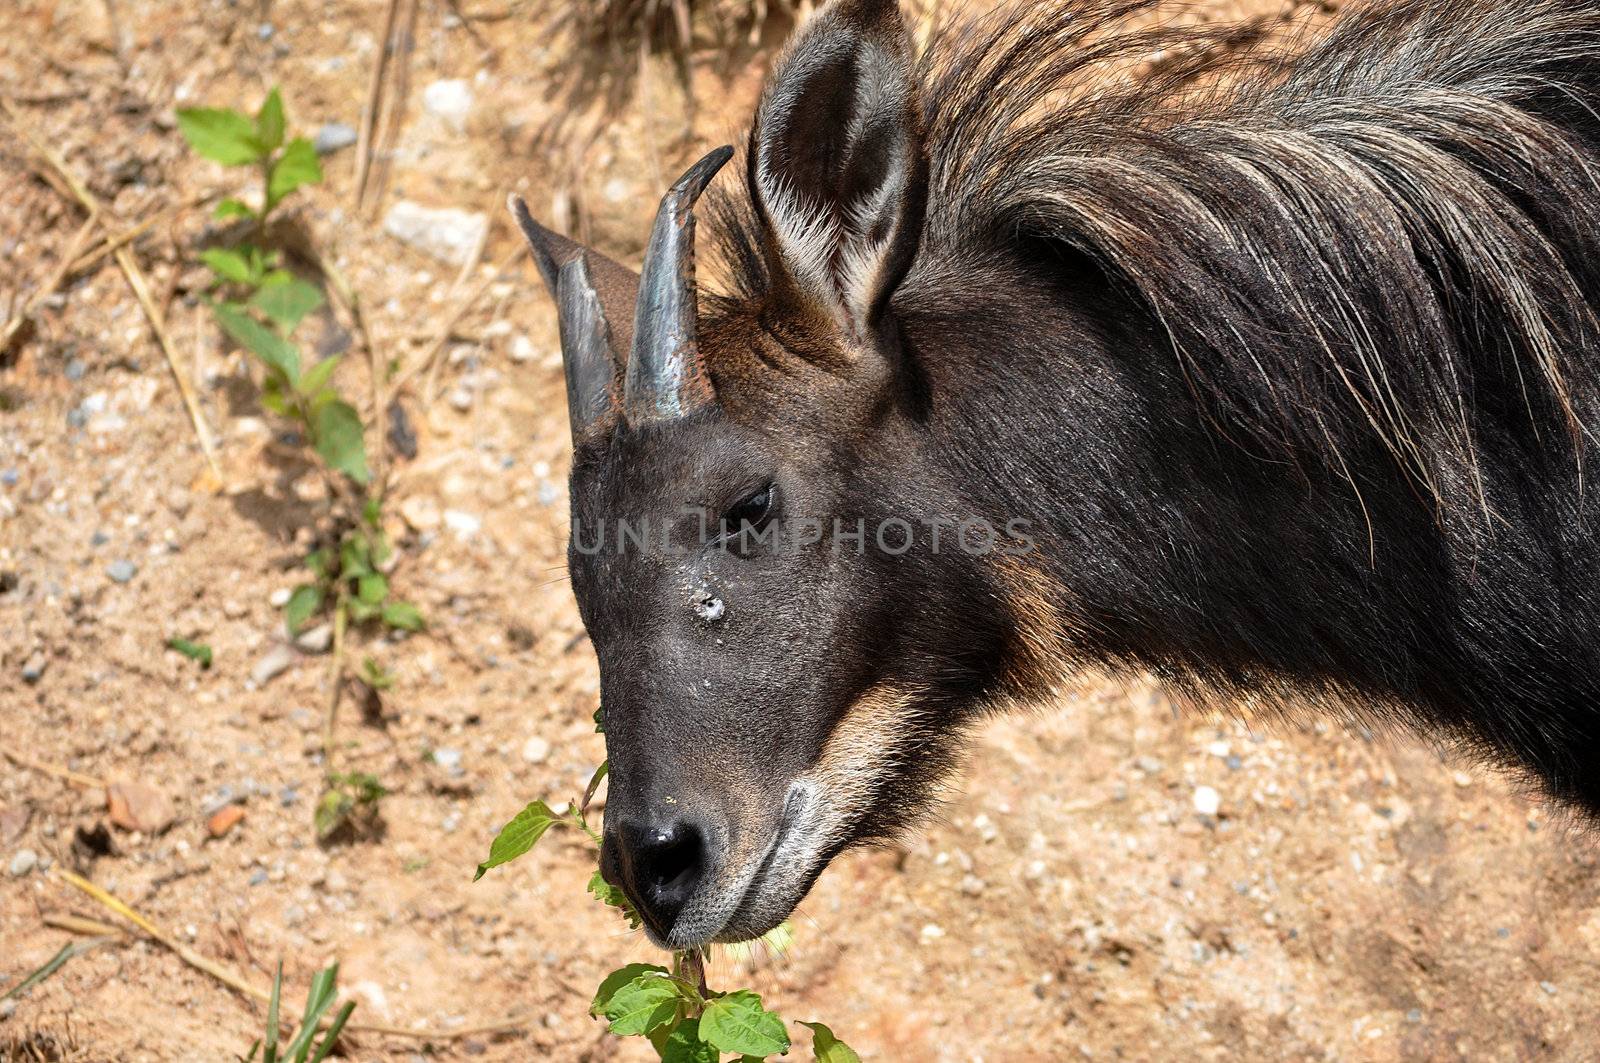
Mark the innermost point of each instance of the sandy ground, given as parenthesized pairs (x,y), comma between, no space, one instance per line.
(1355,897)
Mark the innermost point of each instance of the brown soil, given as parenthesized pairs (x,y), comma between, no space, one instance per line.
(1354,898)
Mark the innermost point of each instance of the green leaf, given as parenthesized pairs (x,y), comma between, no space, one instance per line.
(375,675)
(272,1014)
(198,652)
(355,557)
(683,1045)
(298,165)
(605,892)
(372,588)
(221,135)
(334,1029)
(317,376)
(232,208)
(339,440)
(261,341)
(642,1004)
(302,603)
(594,784)
(518,836)
(619,978)
(229,264)
(404,616)
(317,562)
(286,303)
(269,121)
(827,1048)
(738,1023)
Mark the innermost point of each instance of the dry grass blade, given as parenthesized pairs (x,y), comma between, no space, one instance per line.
(54,964)
(442,337)
(24,314)
(239,985)
(136,281)
(88,782)
(374,100)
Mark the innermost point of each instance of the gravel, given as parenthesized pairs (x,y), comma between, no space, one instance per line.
(445,233)
(23,862)
(275,662)
(332,137)
(122,570)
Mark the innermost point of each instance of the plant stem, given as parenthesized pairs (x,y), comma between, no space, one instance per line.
(335,676)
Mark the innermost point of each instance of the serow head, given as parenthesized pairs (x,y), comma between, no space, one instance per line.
(786,646)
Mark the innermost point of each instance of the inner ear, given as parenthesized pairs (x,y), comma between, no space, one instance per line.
(812,147)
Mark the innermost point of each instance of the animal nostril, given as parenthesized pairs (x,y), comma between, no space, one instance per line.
(662,865)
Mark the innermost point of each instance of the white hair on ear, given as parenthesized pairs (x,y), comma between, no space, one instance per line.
(838,256)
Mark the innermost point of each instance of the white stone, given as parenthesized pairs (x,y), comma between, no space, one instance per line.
(464,524)
(1206,800)
(275,663)
(522,349)
(450,101)
(421,513)
(535,750)
(446,233)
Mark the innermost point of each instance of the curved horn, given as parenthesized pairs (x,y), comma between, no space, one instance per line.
(585,346)
(587,342)
(667,377)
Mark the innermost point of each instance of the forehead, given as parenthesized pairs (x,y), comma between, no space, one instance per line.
(696,460)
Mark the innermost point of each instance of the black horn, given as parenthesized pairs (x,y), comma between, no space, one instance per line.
(667,377)
(587,343)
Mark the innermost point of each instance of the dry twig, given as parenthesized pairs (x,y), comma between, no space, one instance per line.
(136,281)
(88,782)
(442,337)
(233,981)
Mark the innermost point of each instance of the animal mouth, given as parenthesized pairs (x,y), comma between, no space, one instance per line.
(743,913)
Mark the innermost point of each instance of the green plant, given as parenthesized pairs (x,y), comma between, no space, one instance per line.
(259,303)
(684,1020)
(198,652)
(350,801)
(303,1047)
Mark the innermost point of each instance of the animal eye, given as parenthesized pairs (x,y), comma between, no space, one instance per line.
(751,514)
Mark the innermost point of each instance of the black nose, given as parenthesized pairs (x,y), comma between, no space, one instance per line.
(662,863)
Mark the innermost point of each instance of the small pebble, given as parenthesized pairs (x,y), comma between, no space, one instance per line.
(448,759)
(1206,800)
(464,524)
(122,571)
(23,862)
(276,661)
(315,640)
(1548,987)
(223,820)
(258,877)
(535,750)
(1462,779)
(279,598)
(332,137)
(33,668)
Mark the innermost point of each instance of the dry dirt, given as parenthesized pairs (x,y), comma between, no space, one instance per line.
(1353,898)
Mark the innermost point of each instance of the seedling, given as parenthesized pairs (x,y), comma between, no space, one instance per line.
(350,802)
(303,1047)
(684,1020)
(198,652)
(260,303)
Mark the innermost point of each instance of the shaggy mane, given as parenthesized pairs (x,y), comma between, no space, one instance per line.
(1391,234)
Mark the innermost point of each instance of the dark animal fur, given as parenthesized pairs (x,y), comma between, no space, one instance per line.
(1290,358)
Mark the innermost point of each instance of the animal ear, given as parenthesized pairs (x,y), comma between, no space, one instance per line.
(836,162)
(594,301)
